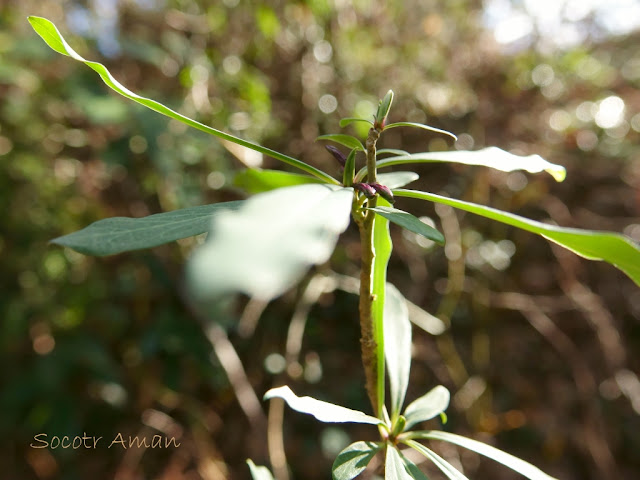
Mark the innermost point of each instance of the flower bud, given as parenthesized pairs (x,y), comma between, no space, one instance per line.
(384,192)
(366,189)
(337,154)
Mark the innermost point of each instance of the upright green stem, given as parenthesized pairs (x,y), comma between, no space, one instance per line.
(368,342)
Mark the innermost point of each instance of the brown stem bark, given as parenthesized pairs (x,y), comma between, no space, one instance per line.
(367,341)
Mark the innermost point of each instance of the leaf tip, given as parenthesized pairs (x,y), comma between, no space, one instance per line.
(38,22)
(276,392)
(61,242)
(558,173)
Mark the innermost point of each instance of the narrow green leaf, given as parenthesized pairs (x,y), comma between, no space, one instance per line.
(349,120)
(428,406)
(257,180)
(346,140)
(514,463)
(397,179)
(395,151)
(411,223)
(382,249)
(353,460)
(397,347)
(413,469)
(123,234)
(349,169)
(445,467)
(323,411)
(265,247)
(492,157)
(394,468)
(420,125)
(614,248)
(383,109)
(258,472)
(50,34)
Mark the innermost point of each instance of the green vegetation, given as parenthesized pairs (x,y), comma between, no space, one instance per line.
(109,345)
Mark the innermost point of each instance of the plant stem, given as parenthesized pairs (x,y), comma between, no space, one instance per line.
(368,342)
(374,134)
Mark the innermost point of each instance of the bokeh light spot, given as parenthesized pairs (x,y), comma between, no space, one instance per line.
(328,103)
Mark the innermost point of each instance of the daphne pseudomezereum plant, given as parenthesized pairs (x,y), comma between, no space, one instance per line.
(263,246)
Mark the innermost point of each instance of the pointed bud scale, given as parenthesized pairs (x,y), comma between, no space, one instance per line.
(337,154)
(366,189)
(383,110)
(398,428)
(384,192)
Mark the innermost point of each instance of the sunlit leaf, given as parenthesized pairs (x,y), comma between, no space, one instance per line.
(323,411)
(382,247)
(353,460)
(257,180)
(492,157)
(349,120)
(347,140)
(520,466)
(420,125)
(411,223)
(397,179)
(123,234)
(445,467)
(258,472)
(266,246)
(610,247)
(397,346)
(394,151)
(428,406)
(50,34)
(394,468)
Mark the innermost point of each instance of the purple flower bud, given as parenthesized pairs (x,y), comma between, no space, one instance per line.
(384,192)
(366,189)
(337,154)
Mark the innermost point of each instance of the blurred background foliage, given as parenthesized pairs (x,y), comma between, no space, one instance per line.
(541,347)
